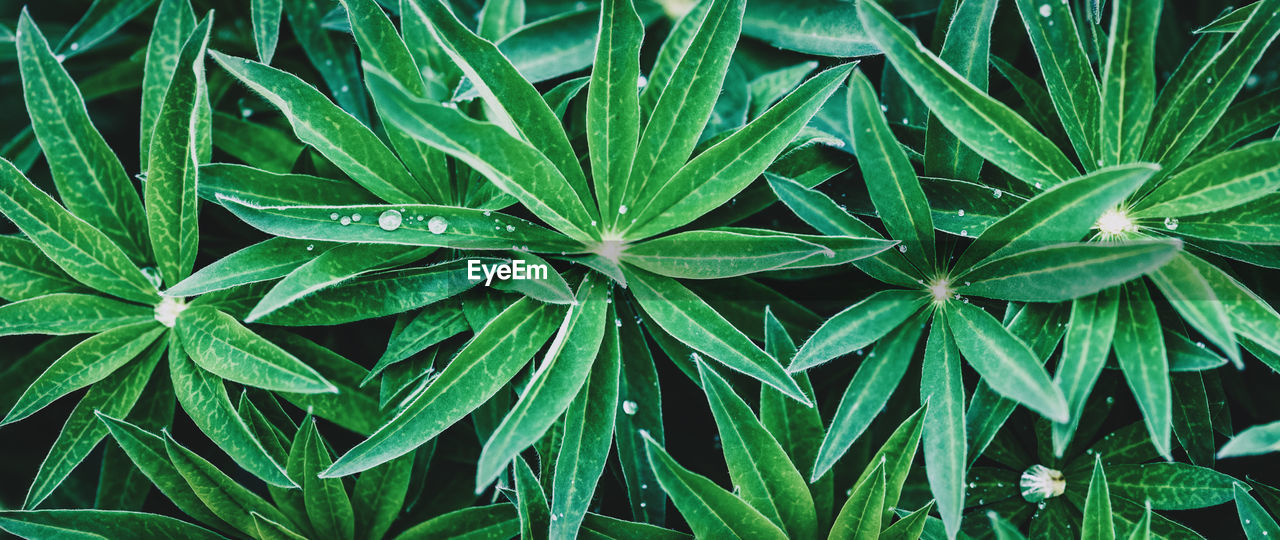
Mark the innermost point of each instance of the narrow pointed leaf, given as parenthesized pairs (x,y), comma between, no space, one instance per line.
(62,314)
(1088,342)
(1258,525)
(967,50)
(1073,87)
(267,260)
(1259,439)
(942,393)
(857,326)
(1067,271)
(859,519)
(613,103)
(1223,181)
(1128,81)
(1140,349)
(1004,361)
(227,499)
(99,524)
(220,345)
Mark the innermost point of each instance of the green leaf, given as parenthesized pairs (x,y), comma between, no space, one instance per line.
(531,503)
(513,165)
(757,464)
(1251,317)
(1097,507)
(435,323)
(334,60)
(147,451)
(75,246)
(1241,121)
(1259,439)
(460,228)
(1230,21)
(221,346)
(337,135)
(173,25)
(351,407)
(558,379)
(598,527)
(115,395)
(943,426)
(681,112)
(474,523)
(478,371)
(1193,298)
(1064,213)
(1191,418)
(1187,112)
(613,103)
(1003,529)
(90,361)
(223,496)
(868,392)
(329,268)
(270,148)
(689,319)
(1004,361)
(204,398)
(1066,271)
(1171,486)
(26,273)
(1249,223)
(713,177)
(859,519)
(770,87)
(638,383)
(714,254)
(1069,77)
(966,49)
(327,504)
(1088,342)
(266,188)
(1128,81)
(821,28)
(1223,181)
(857,326)
(267,260)
(988,127)
(379,496)
(61,314)
(1140,349)
(98,524)
(266,27)
(89,177)
(551,288)
(709,509)
(911,526)
(898,199)
(1257,524)
(588,433)
(377,295)
(174,161)
(266,529)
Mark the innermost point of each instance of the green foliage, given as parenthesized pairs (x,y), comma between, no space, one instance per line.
(307,317)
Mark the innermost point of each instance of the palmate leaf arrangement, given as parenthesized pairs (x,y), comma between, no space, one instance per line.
(631,193)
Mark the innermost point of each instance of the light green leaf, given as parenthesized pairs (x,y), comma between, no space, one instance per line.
(478,371)
(857,326)
(90,361)
(115,395)
(757,464)
(988,127)
(82,251)
(327,504)
(558,379)
(1193,298)
(714,254)
(1066,271)
(588,434)
(266,188)
(1257,524)
(513,165)
(266,27)
(1004,361)
(860,517)
(613,103)
(1259,439)
(909,527)
(269,530)
(204,398)
(1097,507)
(967,50)
(26,273)
(1170,486)
(459,228)
(689,319)
(61,314)
(174,160)
(943,426)
(102,20)
(1250,223)
(173,25)
(223,496)
(550,288)
(220,345)
(1223,181)
(896,194)
(710,510)
(770,87)
(1192,423)
(377,295)
(531,503)
(1088,342)
(1073,87)
(337,135)
(1128,81)
(1064,213)
(351,407)
(1251,317)
(267,260)
(1241,121)
(598,527)
(722,171)
(1186,112)
(98,524)
(258,145)
(334,59)
(821,28)
(875,381)
(379,496)
(1140,349)
(474,523)
(329,268)
(435,323)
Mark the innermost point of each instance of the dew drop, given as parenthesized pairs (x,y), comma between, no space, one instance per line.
(345,220)
(437,225)
(311,247)
(390,220)
(961,213)
(334,216)
(487,213)
(630,407)
(345,89)
(245,113)
(641,81)
(902,248)
(1170,223)
(60,57)
(75,46)
(622,209)
(356,217)
(1039,185)
(997,193)
(511,228)
(420,218)
(964,233)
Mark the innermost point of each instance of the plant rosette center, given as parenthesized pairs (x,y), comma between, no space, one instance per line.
(1039,483)
(168,309)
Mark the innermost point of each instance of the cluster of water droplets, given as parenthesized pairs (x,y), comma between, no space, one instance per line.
(392,220)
